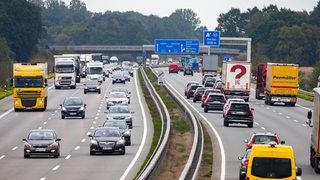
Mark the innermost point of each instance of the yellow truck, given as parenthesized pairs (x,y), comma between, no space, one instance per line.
(282,83)
(272,161)
(29,86)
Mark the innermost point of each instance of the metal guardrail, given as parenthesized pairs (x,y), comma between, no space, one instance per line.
(306,92)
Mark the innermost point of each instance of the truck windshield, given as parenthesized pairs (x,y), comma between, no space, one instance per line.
(275,168)
(94,70)
(64,68)
(21,82)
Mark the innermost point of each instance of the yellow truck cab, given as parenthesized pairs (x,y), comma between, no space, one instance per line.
(272,162)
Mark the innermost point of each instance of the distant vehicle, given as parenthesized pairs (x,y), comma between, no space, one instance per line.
(123,127)
(188,85)
(95,71)
(229,101)
(120,112)
(116,98)
(107,140)
(262,138)
(198,94)
(126,75)
(155,59)
(113,59)
(129,69)
(41,142)
(65,72)
(272,161)
(73,107)
(170,60)
(92,86)
(205,77)
(182,68)
(192,88)
(261,75)
(118,78)
(173,68)
(244,161)
(205,94)
(188,71)
(122,89)
(214,101)
(239,113)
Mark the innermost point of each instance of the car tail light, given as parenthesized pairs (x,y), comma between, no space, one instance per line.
(208,100)
(223,101)
(227,92)
(196,94)
(245,163)
(190,90)
(246,93)
(250,111)
(228,112)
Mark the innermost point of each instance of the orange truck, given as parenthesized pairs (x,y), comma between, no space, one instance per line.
(282,84)
(315,133)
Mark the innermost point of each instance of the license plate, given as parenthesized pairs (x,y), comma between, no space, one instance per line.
(40,149)
(107,148)
(73,113)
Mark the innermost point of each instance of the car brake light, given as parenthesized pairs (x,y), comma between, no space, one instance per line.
(223,101)
(228,112)
(208,100)
(196,94)
(227,92)
(246,93)
(250,111)
(245,163)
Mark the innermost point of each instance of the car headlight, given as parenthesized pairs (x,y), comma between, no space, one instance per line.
(120,142)
(85,87)
(63,109)
(127,133)
(53,145)
(98,87)
(81,108)
(93,142)
(27,145)
(128,117)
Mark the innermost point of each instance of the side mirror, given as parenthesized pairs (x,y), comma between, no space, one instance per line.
(252,109)
(90,135)
(246,140)
(298,172)
(58,139)
(282,142)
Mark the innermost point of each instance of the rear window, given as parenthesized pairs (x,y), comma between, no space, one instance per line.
(242,107)
(271,167)
(194,87)
(264,139)
(216,97)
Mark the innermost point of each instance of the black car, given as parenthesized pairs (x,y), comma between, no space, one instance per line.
(118,78)
(240,113)
(188,71)
(41,142)
(214,101)
(107,140)
(73,107)
(92,86)
(198,94)
(123,127)
(191,90)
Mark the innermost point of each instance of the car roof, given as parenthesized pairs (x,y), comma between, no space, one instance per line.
(42,130)
(264,133)
(215,93)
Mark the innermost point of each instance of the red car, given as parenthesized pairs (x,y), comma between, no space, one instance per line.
(173,68)
(262,138)
(205,94)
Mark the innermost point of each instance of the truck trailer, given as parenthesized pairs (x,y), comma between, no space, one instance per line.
(236,79)
(29,86)
(261,75)
(65,73)
(315,133)
(282,84)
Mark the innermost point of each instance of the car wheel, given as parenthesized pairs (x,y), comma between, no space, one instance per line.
(123,151)
(56,156)
(188,96)
(225,122)
(26,156)
(129,142)
(99,92)
(62,117)
(205,109)
(84,92)
(311,158)
(92,153)
(250,125)
(83,116)
(317,164)
(194,100)
(202,105)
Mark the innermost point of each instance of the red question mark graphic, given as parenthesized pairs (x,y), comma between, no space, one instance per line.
(242,72)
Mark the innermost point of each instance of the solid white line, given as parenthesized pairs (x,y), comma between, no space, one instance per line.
(143,141)
(6,113)
(43,178)
(14,148)
(77,148)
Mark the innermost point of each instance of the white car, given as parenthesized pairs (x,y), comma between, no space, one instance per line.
(117,98)
(225,107)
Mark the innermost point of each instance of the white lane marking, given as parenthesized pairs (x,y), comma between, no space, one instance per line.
(49,118)
(295,120)
(88,133)
(304,125)
(15,148)
(43,178)
(56,167)
(40,127)
(6,113)
(280,113)
(274,110)
(83,140)
(263,128)
(52,114)
(97,114)
(288,117)
(45,122)
(96,118)
(268,108)
(94,122)
(68,157)
(91,127)
(2,156)
(77,148)
(145,131)
(222,151)
(303,107)
(256,123)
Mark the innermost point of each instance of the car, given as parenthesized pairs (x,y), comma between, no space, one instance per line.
(214,101)
(182,68)
(188,71)
(191,90)
(239,113)
(123,127)
(225,107)
(107,140)
(205,77)
(244,161)
(210,81)
(205,94)
(92,86)
(218,85)
(73,107)
(41,142)
(122,89)
(129,69)
(173,68)
(188,85)
(262,138)
(198,94)
(118,78)
(116,98)
(126,75)
(120,112)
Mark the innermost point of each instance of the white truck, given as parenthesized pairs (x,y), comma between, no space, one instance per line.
(155,59)
(65,74)
(315,133)
(236,79)
(95,71)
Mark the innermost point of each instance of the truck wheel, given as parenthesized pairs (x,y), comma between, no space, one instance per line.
(317,165)
(225,122)
(312,161)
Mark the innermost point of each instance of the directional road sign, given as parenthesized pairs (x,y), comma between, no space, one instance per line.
(176,46)
(211,38)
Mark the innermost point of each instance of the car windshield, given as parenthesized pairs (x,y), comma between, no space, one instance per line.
(264,139)
(119,109)
(107,133)
(239,107)
(119,124)
(263,167)
(216,97)
(72,101)
(41,136)
(117,95)
(92,83)
(120,90)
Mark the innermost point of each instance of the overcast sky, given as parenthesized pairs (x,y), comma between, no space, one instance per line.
(207,10)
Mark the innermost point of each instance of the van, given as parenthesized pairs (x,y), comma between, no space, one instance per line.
(272,161)
(173,68)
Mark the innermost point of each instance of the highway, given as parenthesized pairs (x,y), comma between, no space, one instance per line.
(75,161)
(287,122)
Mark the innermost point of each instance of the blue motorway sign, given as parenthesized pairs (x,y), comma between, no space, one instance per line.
(176,46)
(211,38)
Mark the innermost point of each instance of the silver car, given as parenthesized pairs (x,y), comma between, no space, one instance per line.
(116,98)
(120,112)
